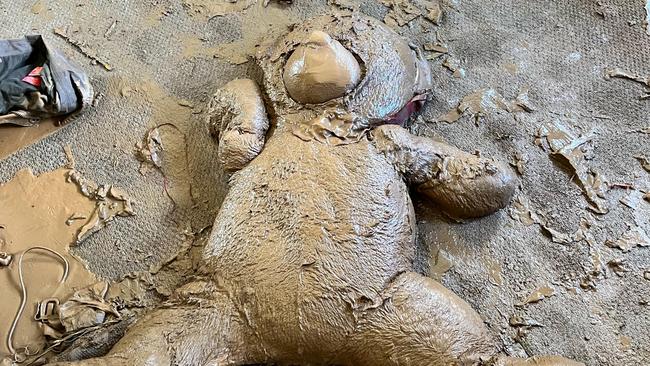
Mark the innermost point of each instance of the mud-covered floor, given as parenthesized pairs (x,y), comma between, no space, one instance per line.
(549,275)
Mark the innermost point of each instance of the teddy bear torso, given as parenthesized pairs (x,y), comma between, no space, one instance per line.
(316,232)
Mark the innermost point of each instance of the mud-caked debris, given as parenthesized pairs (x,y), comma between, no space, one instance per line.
(86,307)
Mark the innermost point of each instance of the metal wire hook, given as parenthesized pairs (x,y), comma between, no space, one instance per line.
(23,289)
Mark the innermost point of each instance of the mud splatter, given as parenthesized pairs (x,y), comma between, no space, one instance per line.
(257,24)
(626,343)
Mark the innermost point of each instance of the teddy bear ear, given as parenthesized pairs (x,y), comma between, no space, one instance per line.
(395,72)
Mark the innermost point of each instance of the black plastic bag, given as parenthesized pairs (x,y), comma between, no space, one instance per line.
(61,87)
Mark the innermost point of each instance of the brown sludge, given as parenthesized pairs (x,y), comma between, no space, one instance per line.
(310,259)
(34,212)
(54,210)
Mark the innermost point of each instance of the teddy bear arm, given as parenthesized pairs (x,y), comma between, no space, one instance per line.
(461,184)
(238,121)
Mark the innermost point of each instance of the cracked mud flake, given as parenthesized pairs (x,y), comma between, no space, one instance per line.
(622,74)
(453,64)
(647,16)
(477,104)
(521,321)
(538,295)
(487,101)
(519,162)
(632,238)
(434,13)
(570,149)
(643,160)
(344,4)
(436,50)
(520,210)
(618,266)
(214,8)
(439,265)
(403,12)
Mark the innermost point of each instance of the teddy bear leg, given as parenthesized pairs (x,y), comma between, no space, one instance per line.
(184,335)
(537,361)
(237,119)
(420,323)
(463,185)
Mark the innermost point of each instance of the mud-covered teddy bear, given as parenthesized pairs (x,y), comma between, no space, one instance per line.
(310,257)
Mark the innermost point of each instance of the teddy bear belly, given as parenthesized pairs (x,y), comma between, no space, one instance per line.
(307,236)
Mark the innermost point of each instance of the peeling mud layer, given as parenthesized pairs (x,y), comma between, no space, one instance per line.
(168,58)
